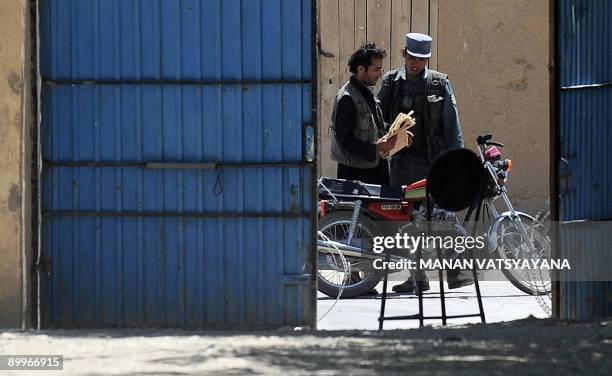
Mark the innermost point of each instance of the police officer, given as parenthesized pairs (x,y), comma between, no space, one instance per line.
(429,94)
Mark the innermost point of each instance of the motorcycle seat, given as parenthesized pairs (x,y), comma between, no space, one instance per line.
(356,190)
(416,190)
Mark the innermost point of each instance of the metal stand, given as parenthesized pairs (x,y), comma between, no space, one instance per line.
(420,316)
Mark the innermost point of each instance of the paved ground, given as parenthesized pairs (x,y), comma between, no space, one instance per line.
(523,347)
(501,300)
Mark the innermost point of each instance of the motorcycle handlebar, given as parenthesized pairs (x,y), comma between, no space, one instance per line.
(485,139)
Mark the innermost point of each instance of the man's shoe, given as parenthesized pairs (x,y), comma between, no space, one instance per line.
(455,284)
(408,287)
(458,278)
(405,288)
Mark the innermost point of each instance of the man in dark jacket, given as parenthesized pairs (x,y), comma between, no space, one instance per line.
(357,121)
(358,125)
(429,94)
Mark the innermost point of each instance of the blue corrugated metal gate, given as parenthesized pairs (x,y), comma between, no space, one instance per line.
(177,180)
(585,131)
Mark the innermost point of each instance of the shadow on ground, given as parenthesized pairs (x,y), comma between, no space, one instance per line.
(529,346)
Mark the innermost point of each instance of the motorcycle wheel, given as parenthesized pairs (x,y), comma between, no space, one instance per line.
(512,244)
(331,275)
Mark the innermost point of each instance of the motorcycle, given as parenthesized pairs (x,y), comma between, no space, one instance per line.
(353,214)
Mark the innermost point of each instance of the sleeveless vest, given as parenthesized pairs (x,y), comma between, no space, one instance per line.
(365,129)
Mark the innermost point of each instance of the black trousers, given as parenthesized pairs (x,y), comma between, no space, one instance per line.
(377,175)
(406,170)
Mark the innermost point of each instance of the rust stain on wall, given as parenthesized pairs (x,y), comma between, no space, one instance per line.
(13,202)
(14,82)
(518,85)
(521,83)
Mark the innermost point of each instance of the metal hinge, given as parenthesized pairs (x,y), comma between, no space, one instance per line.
(309,142)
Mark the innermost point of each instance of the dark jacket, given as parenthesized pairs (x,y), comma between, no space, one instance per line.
(357,124)
(365,126)
(439,122)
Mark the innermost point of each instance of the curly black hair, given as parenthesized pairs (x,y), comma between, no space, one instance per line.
(364,55)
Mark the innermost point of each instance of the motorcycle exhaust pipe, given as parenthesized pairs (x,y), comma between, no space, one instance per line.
(331,246)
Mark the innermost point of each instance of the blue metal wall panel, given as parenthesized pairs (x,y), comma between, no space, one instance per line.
(585,121)
(183,40)
(130,83)
(175,272)
(585,118)
(585,42)
(148,123)
(585,300)
(585,113)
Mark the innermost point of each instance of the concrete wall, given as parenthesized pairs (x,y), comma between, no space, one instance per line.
(15,159)
(496,52)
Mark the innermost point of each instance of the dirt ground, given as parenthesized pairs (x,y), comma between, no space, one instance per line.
(523,347)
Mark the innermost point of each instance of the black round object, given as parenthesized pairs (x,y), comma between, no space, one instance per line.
(455,179)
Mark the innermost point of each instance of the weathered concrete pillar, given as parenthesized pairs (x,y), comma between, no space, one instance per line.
(16,124)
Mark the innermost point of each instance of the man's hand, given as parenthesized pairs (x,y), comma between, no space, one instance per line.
(410,137)
(384,145)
